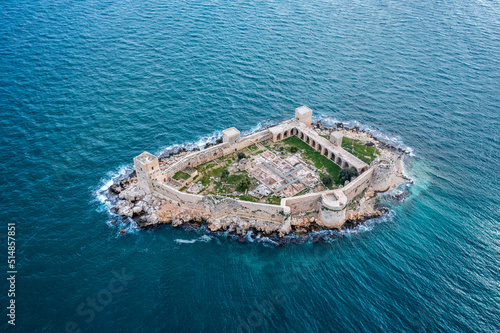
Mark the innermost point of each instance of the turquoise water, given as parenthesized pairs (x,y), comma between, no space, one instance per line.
(86,86)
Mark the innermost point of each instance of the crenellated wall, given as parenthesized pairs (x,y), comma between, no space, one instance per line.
(328,206)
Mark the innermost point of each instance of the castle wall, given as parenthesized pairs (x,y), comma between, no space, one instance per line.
(382,176)
(214,152)
(251,210)
(328,206)
(358,185)
(304,203)
(331,218)
(220,206)
(191,200)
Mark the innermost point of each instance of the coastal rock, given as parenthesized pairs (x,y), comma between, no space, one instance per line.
(115,189)
(137,209)
(132,194)
(176,222)
(126,211)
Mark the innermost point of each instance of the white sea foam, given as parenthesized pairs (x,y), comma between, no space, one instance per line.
(203,238)
(185,241)
(327,121)
(388,138)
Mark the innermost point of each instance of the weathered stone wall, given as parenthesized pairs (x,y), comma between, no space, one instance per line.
(382,175)
(331,218)
(192,200)
(221,206)
(148,169)
(214,152)
(304,203)
(328,206)
(358,185)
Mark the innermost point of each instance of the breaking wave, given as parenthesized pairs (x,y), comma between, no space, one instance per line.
(114,177)
(387,138)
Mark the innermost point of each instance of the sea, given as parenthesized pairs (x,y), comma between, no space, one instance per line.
(85,86)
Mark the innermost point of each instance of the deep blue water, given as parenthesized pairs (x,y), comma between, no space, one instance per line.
(87,85)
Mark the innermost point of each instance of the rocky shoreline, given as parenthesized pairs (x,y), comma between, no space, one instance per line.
(150,210)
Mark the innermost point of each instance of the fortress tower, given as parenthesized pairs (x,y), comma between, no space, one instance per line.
(304,114)
(382,173)
(336,138)
(147,168)
(231,135)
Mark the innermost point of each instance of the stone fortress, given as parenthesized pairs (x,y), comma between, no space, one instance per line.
(326,209)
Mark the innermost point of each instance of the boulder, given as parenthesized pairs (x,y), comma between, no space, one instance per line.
(115,189)
(132,194)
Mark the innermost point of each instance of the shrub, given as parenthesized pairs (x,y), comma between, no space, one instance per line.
(294,149)
(224,174)
(244,184)
(241,155)
(327,180)
(347,174)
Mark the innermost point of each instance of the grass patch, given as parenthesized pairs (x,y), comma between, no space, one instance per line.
(320,161)
(273,200)
(181,175)
(365,153)
(214,172)
(235,178)
(252,148)
(249,198)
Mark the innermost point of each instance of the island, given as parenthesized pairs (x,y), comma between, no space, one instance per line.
(294,177)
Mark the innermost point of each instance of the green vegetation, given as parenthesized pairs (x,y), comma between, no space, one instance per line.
(249,198)
(244,183)
(224,175)
(347,174)
(181,175)
(208,172)
(327,180)
(273,200)
(241,155)
(320,161)
(365,153)
(294,149)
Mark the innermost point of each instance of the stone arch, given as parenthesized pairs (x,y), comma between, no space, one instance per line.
(278,137)
(285,135)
